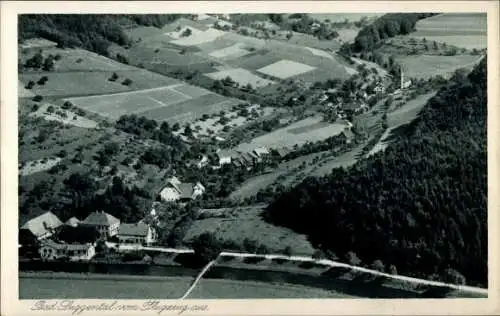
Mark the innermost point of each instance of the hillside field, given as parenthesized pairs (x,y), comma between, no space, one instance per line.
(307,130)
(246,222)
(467,30)
(426,66)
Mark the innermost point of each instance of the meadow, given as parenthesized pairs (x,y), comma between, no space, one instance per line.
(467,30)
(80,60)
(246,222)
(307,130)
(402,115)
(102,287)
(426,66)
(83,83)
(242,76)
(234,289)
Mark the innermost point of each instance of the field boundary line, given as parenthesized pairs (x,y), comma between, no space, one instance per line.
(120,93)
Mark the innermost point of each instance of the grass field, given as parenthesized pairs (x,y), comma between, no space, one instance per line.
(306,130)
(81,60)
(233,289)
(242,76)
(104,287)
(341,17)
(231,52)
(466,30)
(71,118)
(426,66)
(191,110)
(284,69)
(66,84)
(241,223)
(403,115)
(178,101)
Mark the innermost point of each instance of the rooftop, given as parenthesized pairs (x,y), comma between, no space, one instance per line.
(42,224)
(100,218)
(134,229)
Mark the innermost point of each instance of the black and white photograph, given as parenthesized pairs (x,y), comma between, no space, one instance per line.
(271,155)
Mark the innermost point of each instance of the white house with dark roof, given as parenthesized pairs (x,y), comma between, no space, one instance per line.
(107,225)
(42,226)
(225,156)
(180,191)
(136,233)
(50,250)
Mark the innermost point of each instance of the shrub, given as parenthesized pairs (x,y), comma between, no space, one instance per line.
(113,77)
(37,98)
(35,107)
(127,82)
(50,109)
(287,251)
(67,105)
(30,85)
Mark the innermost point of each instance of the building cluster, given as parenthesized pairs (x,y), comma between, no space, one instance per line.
(243,159)
(76,239)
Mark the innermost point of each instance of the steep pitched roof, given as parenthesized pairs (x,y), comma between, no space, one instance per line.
(133,229)
(261,151)
(226,153)
(100,218)
(42,224)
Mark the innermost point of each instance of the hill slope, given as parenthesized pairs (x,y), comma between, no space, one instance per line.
(421,205)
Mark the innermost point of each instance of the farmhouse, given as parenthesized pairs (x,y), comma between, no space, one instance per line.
(106,224)
(261,152)
(42,226)
(51,250)
(136,233)
(225,156)
(178,191)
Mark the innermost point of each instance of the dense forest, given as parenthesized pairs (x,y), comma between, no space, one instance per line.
(388,25)
(89,31)
(420,206)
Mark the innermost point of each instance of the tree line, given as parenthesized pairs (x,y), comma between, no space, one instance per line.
(388,25)
(94,32)
(421,205)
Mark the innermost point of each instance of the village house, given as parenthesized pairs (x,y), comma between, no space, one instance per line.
(50,250)
(107,225)
(261,153)
(136,233)
(203,162)
(42,226)
(225,156)
(178,191)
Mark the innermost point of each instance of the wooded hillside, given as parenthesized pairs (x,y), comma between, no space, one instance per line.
(420,206)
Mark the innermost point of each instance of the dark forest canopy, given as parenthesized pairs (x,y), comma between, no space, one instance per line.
(94,32)
(388,25)
(421,205)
